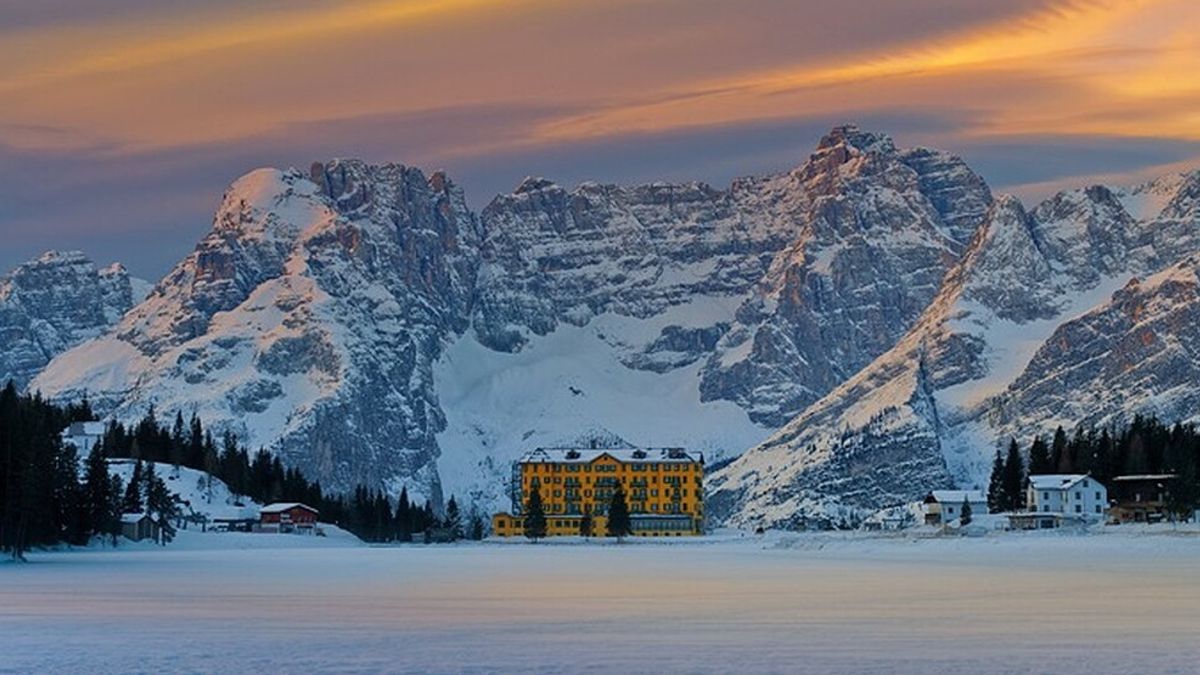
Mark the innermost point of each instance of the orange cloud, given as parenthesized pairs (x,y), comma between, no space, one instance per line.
(1124,67)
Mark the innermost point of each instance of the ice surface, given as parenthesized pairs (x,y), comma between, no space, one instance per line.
(800,603)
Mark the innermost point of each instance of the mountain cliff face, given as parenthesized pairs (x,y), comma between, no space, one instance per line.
(871,324)
(307,321)
(54,302)
(1022,336)
(363,323)
(876,230)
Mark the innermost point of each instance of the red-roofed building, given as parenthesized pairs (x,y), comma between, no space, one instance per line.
(287,517)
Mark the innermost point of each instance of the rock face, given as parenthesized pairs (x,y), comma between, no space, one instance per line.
(311,318)
(52,303)
(1023,336)
(307,321)
(876,230)
(875,308)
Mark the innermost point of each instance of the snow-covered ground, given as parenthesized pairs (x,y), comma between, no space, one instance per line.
(1124,600)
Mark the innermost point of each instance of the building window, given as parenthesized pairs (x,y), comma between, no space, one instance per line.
(1097,508)
(1078,508)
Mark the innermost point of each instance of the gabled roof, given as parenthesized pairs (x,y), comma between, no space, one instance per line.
(280,507)
(1055,481)
(625,455)
(130,518)
(957,496)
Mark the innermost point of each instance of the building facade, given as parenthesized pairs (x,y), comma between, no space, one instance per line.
(1065,497)
(1141,498)
(288,517)
(942,507)
(664,489)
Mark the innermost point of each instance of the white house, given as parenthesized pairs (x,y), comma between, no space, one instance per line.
(945,506)
(1070,495)
(83,435)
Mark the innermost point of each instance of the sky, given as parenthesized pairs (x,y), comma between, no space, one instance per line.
(123,121)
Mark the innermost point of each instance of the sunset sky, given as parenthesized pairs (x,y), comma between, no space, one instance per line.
(123,121)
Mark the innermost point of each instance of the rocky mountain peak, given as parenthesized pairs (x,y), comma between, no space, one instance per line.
(52,303)
(855,140)
(533,184)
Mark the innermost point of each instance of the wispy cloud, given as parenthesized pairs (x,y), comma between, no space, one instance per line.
(143,111)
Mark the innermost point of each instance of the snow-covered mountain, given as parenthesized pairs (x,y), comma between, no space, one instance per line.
(871,323)
(54,302)
(1038,325)
(365,324)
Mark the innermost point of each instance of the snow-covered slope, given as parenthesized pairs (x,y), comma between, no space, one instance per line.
(198,493)
(361,322)
(875,306)
(54,302)
(1021,337)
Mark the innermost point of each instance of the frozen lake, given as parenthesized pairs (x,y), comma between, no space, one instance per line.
(1020,603)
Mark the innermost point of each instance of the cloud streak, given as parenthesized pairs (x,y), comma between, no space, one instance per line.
(142,112)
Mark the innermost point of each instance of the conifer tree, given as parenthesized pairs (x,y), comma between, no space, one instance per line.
(404,522)
(1014,479)
(96,498)
(1058,449)
(477,527)
(535,514)
(996,497)
(618,524)
(453,521)
(133,491)
(585,525)
(965,518)
(1039,457)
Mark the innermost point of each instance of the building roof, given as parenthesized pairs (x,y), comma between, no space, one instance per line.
(957,496)
(1146,476)
(625,455)
(84,429)
(133,517)
(280,507)
(1055,481)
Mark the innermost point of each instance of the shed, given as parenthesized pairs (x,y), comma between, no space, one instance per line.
(139,526)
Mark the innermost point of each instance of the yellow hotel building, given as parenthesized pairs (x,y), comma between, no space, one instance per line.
(664,488)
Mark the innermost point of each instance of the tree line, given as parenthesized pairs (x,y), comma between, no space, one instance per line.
(367,513)
(45,501)
(1144,446)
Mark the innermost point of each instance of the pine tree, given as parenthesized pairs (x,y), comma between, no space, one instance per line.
(585,525)
(996,498)
(1039,457)
(477,527)
(133,491)
(965,518)
(1014,479)
(404,521)
(453,521)
(618,524)
(1058,449)
(96,498)
(160,502)
(535,514)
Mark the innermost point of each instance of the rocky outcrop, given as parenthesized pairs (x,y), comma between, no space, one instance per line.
(876,231)
(52,303)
